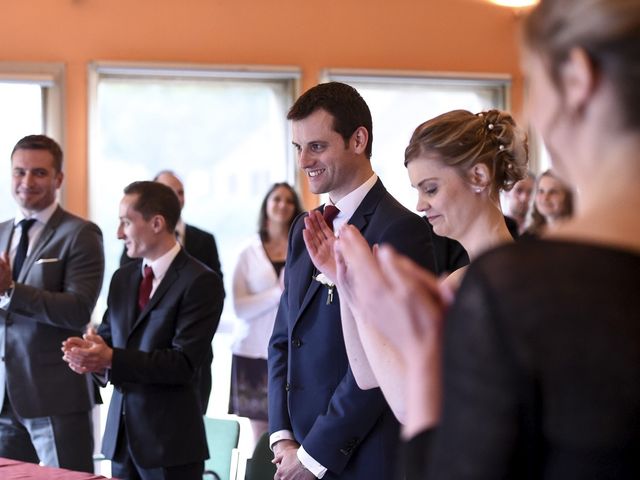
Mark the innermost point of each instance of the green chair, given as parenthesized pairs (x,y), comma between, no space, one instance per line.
(259,466)
(222,439)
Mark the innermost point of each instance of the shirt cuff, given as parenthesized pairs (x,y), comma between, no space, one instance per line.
(280,435)
(310,463)
(5,298)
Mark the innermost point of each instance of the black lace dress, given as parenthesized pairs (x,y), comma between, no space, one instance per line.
(541,368)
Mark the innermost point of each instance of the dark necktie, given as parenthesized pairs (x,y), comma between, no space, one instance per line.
(23,246)
(329,213)
(144,292)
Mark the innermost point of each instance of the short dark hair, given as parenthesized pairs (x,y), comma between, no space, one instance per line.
(41,142)
(155,199)
(263,217)
(343,103)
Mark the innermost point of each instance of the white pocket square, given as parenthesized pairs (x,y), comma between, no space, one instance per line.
(47,260)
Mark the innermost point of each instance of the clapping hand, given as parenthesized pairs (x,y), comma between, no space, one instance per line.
(319,239)
(88,354)
(390,293)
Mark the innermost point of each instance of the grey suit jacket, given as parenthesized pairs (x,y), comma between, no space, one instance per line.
(52,300)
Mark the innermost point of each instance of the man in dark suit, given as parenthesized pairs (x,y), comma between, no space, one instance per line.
(162,313)
(51,272)
(202,246)
(322,425)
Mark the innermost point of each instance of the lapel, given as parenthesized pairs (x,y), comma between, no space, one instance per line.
(6,233)
(131,302)
(172,275)
(48,231)
(360,220)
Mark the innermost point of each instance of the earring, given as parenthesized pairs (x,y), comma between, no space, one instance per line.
(478,189)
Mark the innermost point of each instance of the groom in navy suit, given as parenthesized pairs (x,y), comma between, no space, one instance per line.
(322,425)
(162,313)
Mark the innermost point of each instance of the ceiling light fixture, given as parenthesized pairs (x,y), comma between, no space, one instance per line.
(515,3)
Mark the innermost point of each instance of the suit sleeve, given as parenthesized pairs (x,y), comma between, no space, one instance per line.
(215,257)
(71,306)
(353,412)
(196,320)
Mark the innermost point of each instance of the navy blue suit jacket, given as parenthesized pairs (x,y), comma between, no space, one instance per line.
(312,391)
(157,354)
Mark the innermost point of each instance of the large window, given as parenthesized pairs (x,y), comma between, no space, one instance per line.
(223,132)
(30,96)
(399,103)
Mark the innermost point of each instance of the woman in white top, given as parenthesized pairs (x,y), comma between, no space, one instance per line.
(257,286)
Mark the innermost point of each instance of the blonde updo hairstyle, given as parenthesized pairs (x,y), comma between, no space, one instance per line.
(607,30)
(462,140)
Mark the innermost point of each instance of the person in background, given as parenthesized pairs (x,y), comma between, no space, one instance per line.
(202,246)
(51,270)
(322,424)
(540,348)
(162,313)
(553,204)
(516,201)
(258,282)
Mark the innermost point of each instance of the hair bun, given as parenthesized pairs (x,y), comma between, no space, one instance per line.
(509,145)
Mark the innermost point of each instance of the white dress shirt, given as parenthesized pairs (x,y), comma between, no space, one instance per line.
(160,265)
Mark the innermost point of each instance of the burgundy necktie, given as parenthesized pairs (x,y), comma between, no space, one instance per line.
(145,287)
(329,213)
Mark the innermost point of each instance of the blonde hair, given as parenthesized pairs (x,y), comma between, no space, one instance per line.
(463,140)
(607,30)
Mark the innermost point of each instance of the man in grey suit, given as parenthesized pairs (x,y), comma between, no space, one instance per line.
(51,270)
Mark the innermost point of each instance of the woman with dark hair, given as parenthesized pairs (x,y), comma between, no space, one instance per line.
(540,350)
(552,204)
(257,286)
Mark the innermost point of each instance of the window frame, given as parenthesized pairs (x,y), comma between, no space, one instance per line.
(187,71)
(51,77)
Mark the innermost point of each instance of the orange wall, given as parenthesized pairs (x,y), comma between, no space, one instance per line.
(430,35)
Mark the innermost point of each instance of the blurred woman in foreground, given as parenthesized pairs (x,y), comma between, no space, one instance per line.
(540,372)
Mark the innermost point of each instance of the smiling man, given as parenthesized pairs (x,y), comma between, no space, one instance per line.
(322,425)
(51,270)
(162,312)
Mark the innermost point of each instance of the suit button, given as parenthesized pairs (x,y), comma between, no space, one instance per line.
(296,342)
(287,386)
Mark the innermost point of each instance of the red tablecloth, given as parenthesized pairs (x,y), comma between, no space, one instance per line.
(14,470)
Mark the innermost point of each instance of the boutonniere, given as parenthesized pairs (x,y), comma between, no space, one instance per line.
(322,278)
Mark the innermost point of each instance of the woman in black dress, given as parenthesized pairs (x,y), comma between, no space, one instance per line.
(540,351)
